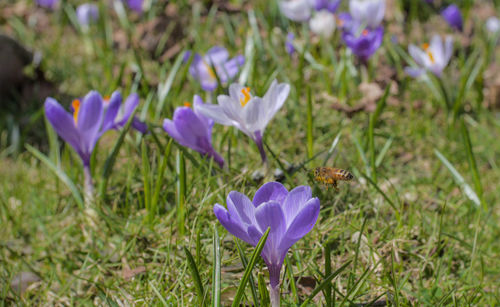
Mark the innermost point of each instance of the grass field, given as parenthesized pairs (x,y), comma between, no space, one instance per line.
(418,225)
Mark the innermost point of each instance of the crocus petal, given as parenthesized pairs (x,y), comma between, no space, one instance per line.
(414,72)
(63,123)
(275,97)
(270,214)
(453,16)
(89,120)
(216,56)
(197,102)
(240,206)
(215,112)
(296,10)
(231,68)
(294,202)
(368,12)
(254,115)
(492,25)
(230,224)
(417,54)
(87,13)
(448,49)
(135,5)
(301,225)
(268,192)
(139,126)
(322,24)
(169,127)
(112,110)
(191,128)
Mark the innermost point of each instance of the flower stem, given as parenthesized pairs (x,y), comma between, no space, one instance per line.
(88,186)
(274,294)
(260,145)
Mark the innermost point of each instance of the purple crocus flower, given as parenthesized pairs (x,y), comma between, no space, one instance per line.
(135,5)
(453,17)
(50,4)
(290,49)
(87,13)
(117,114)
(290,215)
(192,129)
(363,43)
(329,5)
(90,119)
(202,68)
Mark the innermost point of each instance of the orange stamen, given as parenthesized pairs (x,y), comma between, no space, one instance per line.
(365,32)
(246,96)
(187,104)
(425,46)
(76,107)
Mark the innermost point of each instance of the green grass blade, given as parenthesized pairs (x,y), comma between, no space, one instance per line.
(181,191)
(291,279)
(472,163)
(198,285)
(161,176)
(324,284)
(248,270)
(216,271)
(371,128)
(110,161)
(468,191)
(244,261)
(59,173)
(264,294)
(309,131)
(146,178)
(165,87)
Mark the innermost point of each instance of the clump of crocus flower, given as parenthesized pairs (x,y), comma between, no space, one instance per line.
(192,129)
(87,13)
(319,14)
(453,16)
(362,30)
(91,117)
(431,57)
(49,4)
(247,112)
(290,215)
(215,64)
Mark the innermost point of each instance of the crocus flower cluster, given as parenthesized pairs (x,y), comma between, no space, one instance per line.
(216,64)
(247,112)
(453,16)
(289,215)
(431,57)
(319,14)
(362,30)
(192,129)
(91,117)
(87,13)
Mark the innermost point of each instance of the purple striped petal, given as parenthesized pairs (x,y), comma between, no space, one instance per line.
(268,192)
(90,120)
(63,124)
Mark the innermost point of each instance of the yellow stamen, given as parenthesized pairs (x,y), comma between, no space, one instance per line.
(431,57)
(425,46)
(246,96)
(210,70)
(76,107)
(187,104)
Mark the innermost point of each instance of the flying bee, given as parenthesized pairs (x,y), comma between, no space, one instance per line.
(330,175)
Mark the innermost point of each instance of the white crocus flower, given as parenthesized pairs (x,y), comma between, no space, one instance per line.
(368,12)
(492,25)
(323,23)
(432,57)
(248,113)
(296,10)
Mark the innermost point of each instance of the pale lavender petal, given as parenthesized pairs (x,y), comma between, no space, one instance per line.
(216,55)
(169,127)
(294,202)
(63,123)
(230,224)
(214,112)
(271,191)
(87,13)
(111,111)
(296,10)
(240,206)
(90,120)
(270,214)
(301,225)
(230,68)
(414,71)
